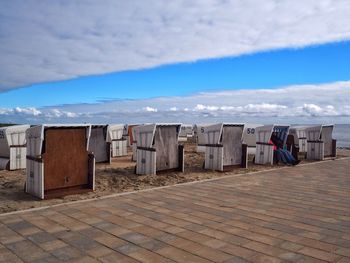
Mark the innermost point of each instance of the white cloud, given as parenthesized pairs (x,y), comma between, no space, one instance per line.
(57,40)
(56,113)
(150,109)
(26,111)
(293,104)
(201,107)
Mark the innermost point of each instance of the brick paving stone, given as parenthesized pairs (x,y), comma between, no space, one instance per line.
(148,231)
(20,225)
(195,227)
(52,245)
(117,257)
(99,251)
(110,241)
(9,236)
(179,255)
(174,229)
(265,259)
(48,259)
(147,256)
(153,245)
(204,251)
(66,253)
(8,256)
(29,231)
(83,243)
(127,248)
(215,243)
(135,238)
(266,249)
(91,232)
(344,260)
(118,231)
(41,237)
(44,223)
(290,246)
(85,259)
(343,251)
(193,236)
(10,219)
(27,250)
(319,254)
(236,260)
(165,237)
(238,251)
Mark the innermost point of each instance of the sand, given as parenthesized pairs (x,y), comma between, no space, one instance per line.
(117,178)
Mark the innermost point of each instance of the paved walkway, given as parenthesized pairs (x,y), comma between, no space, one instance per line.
(298,214)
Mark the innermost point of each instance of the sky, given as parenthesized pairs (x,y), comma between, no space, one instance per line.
(189,61)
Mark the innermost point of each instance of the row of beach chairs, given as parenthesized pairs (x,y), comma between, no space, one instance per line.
(60,159)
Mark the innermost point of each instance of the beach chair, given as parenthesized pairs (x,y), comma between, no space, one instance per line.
(58,160)
(158,148)
(223,147)
(107,141)
(320,143)
(13,147)
(115,136)
(264,147)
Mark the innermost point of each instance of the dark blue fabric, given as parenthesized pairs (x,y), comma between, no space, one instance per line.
(280,133)
(284,156)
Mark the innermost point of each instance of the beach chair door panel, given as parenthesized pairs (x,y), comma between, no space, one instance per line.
(315,151)
(166,145)
(214,158)
(146,161)
(264,154)
(303,145)
(326,137)
(65,158)
(98,144)
(232,141)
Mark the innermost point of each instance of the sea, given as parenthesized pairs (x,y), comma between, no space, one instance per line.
(341,133)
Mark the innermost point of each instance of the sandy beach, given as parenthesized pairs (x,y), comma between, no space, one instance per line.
(117,178)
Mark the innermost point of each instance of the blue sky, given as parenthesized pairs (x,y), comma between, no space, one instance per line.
(187,61)
(271,69)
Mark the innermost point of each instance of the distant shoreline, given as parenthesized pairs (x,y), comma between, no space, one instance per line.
(343,147)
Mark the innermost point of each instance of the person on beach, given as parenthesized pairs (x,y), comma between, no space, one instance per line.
(282,155)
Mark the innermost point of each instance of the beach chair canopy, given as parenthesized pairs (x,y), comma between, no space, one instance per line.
(313,133)
(186,130)
(198,130)
(12,136)
(249,136)
(319,132)
(264,133)
(326,133)
(298,132)
(144,134)
(213,134)
(115,132)
(35,136)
